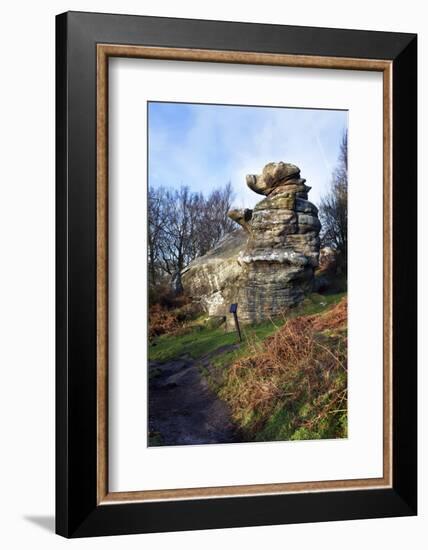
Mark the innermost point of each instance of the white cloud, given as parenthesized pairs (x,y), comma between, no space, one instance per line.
(226,143)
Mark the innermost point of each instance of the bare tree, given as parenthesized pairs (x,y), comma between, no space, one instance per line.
(213,221)
(182,226)
(156,216)
(333,209)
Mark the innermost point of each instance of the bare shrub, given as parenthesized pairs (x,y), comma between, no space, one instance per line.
(171,315)
(161,321)
(299,372)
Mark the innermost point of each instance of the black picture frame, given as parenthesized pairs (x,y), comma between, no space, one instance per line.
(77,511)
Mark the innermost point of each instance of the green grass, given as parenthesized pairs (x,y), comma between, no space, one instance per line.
(303,400)
(314,303)
(281,425)
(196,344)
(286,420)
(202,341)
(302,405)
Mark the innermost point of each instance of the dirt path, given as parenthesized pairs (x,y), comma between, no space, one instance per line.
(183,410)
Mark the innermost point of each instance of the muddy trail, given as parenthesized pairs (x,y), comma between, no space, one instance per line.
(183,410)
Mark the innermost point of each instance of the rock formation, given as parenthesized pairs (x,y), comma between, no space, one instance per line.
(268,265)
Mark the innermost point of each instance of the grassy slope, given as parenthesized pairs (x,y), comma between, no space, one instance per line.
(301,417)
(203,341)
(293,386)
(309,403)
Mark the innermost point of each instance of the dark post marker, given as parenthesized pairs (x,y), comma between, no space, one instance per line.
(234,309)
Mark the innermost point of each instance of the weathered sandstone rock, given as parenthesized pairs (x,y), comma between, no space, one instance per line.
(268,265)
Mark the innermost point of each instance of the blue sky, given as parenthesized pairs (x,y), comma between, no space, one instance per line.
(205,146)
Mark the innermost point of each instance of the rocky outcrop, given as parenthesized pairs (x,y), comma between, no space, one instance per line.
(268,265)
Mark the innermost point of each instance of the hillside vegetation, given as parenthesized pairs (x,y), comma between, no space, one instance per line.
(294,384)
(287,380)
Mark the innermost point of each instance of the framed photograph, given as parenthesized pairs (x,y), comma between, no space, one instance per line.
(236,274)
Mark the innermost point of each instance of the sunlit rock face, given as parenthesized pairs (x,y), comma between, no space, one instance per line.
(268,265)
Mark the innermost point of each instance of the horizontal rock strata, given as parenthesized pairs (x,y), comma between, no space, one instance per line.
(268,265)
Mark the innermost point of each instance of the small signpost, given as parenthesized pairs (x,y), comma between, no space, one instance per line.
(234,309)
